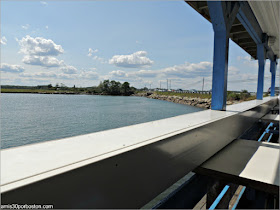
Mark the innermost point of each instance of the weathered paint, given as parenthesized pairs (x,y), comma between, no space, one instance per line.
(222,20)
(273,72)
(261,60)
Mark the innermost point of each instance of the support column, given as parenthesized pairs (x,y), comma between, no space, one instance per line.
(222,15)
(261,59)
(220,71)
(273,71)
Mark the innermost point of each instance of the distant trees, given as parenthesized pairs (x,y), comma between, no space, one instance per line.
(243,95)
(106,87)
(113,87)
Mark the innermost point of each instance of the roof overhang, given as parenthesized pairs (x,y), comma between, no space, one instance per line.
(256,22)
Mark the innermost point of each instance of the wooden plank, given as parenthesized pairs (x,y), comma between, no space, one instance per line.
(202,203)
(271,118)
(246,162)
(235,196)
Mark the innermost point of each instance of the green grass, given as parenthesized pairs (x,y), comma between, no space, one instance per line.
(231,96)
(189,95)
(32,91)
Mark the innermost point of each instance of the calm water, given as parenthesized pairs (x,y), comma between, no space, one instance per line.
(31,118)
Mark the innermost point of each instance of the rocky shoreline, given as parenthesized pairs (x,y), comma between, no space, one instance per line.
(198,102)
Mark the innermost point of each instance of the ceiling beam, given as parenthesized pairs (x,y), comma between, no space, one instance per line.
(247,18)
(244,44)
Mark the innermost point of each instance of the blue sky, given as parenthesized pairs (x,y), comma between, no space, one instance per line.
(84,42)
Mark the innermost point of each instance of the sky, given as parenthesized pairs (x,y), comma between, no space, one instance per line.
(143,42)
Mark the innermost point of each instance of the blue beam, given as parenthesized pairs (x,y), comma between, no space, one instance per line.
(238,199)
(220,71)
(222,16)
(261,54)
(219,198)
(247,18)
(273,71)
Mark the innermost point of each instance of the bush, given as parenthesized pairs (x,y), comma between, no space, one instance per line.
(244,95)
(233,96)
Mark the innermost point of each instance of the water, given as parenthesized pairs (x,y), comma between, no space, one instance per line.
(32,118)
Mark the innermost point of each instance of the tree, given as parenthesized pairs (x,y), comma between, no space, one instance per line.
(244,94)
(113,87)
(49,86)
(125,89)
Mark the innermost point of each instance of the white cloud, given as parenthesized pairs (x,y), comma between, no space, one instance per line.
(47,27)
(5,67)
(135,60)
(118,73)
(50,74)
(248,61)
(186,70)
(232,70)
(46,61)
(145,73)
(40,51)
(3,40)
(85,75)
(91,51)
(25,27)
(187,75)
(44,3)
(69,69)
(39,46)
(89,75)
(40,75)
(101,60)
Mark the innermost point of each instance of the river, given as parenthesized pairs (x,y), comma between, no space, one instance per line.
(32,118)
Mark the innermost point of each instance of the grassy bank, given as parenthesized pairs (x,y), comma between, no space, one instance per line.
(36,91)
(231,96)
(189,95)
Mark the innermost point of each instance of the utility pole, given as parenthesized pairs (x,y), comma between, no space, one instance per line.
(202,84)
(170,84)
(159,84)
(167,84)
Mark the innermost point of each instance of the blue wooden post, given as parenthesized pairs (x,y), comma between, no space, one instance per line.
(220,71)
(261,59)
(273,71)
(222,18)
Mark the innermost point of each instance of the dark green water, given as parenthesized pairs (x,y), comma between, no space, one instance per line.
(32,118)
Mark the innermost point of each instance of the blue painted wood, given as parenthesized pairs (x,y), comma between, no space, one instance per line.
(273,71)
(261,60)
(220,71)
(247,18)
(222,16)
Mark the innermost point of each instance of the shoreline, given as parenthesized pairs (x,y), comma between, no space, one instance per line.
(191,101)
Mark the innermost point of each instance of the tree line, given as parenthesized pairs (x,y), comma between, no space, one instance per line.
(105,87)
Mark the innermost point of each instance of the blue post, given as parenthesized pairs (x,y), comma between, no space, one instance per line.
(222,16)
(272,70)
(261,59)
(220,71)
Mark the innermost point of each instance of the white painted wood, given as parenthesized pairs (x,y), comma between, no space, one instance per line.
(253,160)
